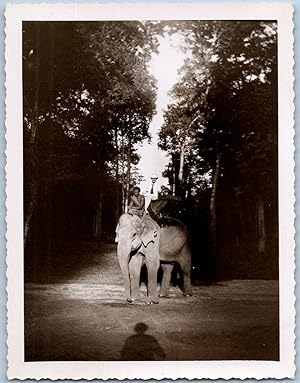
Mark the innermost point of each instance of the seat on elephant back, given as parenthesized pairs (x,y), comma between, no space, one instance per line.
(166,210)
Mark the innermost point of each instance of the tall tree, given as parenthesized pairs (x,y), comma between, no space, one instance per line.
(90,100)
(228,63)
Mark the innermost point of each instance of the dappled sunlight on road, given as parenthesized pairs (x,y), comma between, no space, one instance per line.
(77,262)
(78,311)
(108,293)
(80,321)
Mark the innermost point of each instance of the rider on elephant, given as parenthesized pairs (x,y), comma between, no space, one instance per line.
(166,209)
(137,203)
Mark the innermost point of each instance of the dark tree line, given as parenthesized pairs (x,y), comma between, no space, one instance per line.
(221,134)
(88,102)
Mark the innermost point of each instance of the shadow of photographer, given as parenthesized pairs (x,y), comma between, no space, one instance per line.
(141,346)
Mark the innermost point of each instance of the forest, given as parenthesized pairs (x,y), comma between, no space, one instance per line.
(88,100)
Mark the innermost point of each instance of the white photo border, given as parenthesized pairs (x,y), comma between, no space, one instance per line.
(17,368)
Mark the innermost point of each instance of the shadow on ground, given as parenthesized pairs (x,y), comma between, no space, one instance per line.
(75,310)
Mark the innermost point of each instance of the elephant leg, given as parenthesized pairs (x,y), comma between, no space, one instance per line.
(135,265)
(152,263)
(123,257)
(165,283)
(185,263)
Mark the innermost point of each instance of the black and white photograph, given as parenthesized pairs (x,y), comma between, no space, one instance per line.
(150,161)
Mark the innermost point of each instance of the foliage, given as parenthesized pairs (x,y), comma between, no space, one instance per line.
(225,112)
(228,62)
(88,100)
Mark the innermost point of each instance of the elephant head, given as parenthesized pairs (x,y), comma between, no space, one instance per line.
(136,241)
(150,231)
(136,231)
(128,230)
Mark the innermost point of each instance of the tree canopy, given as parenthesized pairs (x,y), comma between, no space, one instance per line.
(221,128)
(88,100)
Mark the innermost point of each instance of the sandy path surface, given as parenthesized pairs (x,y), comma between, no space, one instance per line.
(84,316)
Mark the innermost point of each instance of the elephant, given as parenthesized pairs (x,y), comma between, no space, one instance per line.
(143,240)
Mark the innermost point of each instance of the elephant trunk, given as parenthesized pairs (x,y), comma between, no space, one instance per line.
(123,257)
(136,243)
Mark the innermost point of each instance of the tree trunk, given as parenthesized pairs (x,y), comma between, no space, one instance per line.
(213,219)
(127,190)
(32,183)
(117,177)
(128,175)
(36,85)
(97,224)
(49,181)
(181,165)
(242,231)
(123,194)
(30,210)
(123,185)
(174,180)
(51,62)
(261,226)
(97,229)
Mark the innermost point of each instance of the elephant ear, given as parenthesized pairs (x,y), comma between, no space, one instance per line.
(148,236)
(128,226)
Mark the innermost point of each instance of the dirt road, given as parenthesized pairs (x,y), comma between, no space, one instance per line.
(84,316)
